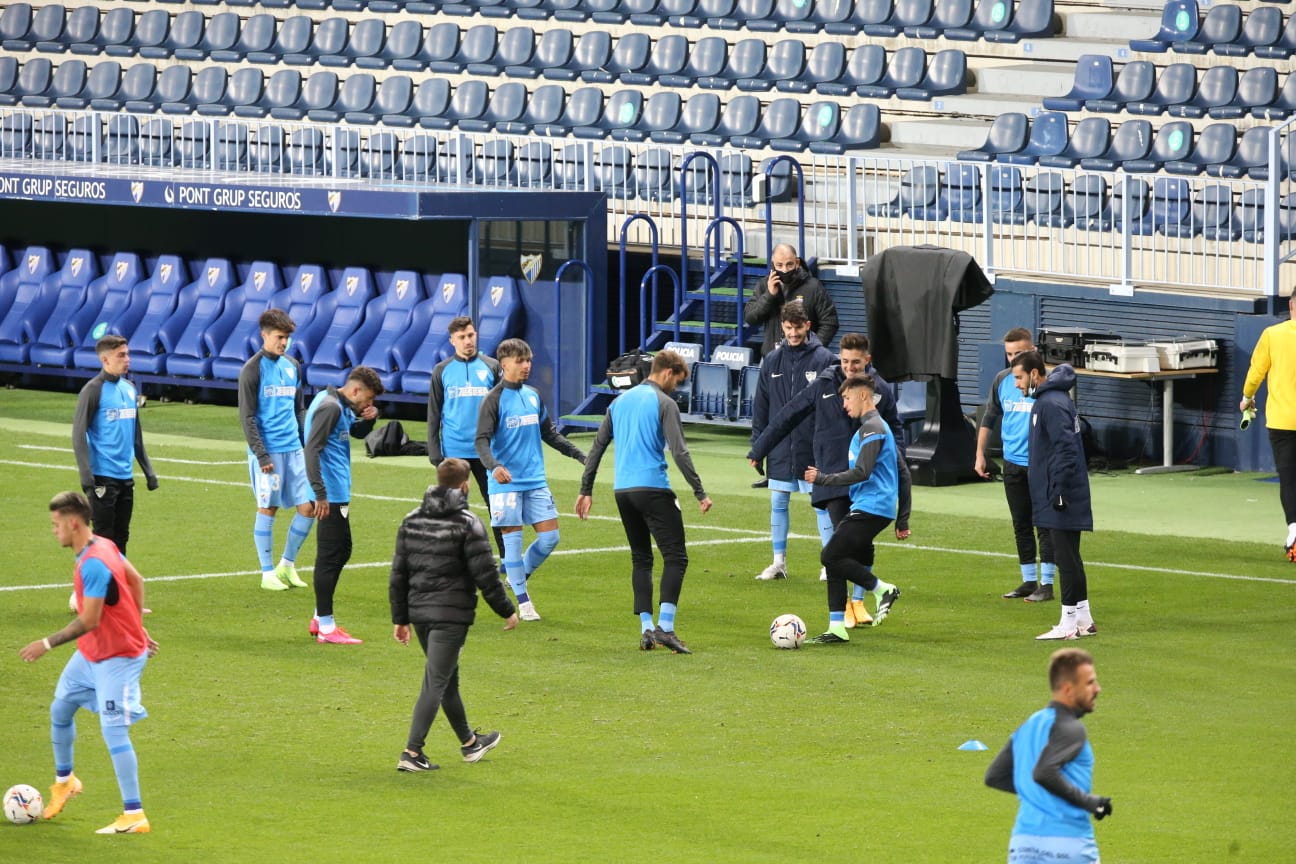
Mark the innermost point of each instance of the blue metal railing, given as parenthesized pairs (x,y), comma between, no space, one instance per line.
(716,223)
(625,229)
(769,207)
(645,309)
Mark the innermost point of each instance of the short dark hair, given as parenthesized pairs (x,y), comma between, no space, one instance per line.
(855,382)
(366,378)
(795,313)
(109,343)
(276,319)
(1029,361)
(854,342)
(462,322)
(516,348)
(1019,334)
(671,360)
(453,473)
(71,504)
(1065,663)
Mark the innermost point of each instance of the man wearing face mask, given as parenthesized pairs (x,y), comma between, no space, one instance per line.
(789,281)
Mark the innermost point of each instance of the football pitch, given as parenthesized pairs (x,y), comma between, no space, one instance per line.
(262,745)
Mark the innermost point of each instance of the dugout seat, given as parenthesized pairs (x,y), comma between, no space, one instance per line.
(82,326)
(22,282)
(432,317)
(198,304)
(499,313)
(235,335)
(161,293)
(387,332)
(310,302)
(123,305)
(354,291)
(51,301)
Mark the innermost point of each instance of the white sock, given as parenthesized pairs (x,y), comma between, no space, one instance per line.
(1291,534)
(1083,615)
(284,562)
(780,558)
(1068,621)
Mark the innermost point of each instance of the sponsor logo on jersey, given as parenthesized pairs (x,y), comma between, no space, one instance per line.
(112,415)
(466,391)
(517,421)
(270,391)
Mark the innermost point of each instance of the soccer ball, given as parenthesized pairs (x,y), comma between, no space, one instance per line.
(23,804)
(787,631)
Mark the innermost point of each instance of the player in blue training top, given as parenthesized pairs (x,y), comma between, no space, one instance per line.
(1010,410)
(1048,764)
(335,416)
(271,406)
(459,384)
(645,421)
(874,487)
(106,436)
(510,427)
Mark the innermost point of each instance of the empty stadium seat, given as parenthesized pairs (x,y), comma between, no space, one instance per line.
(785,61)
(1042,200)
(1218,88)
(1006,196)
(1132,141)
(1215,145)
(117,311)
(544,106)
(1134,83)
(225,94)
(379,157)
(197,305)
(121,140)
(1174,141)
(946,75)
(304,152)
(1213,210)
(310,302)
(1284,105)
(161,292)
(1250,159)
(779,123)
(417,159)
(385,333)
(1032,19)
(494,165)
(1048,137)
(653,175)
(158,145)
(363,44)
(947,15)
(507,103)
(317,93)
(745,61)
(699,115)
(34,78)
(256,35)
(1284,46)
(1174,86)
(825,64)
(904,14)
(533,165)
(1262,28)
(740,117)
(1256,91)
(499,313)
(16,136)
(1221,26)
(621,112)
(354,290)
(446,301)
(1093,80)
(401,43)
(15,21)
(477,45)
(553,51)
(668,57)
(1172,208)
(1085,204)
(614,172)
(67,81)
(660,115)
(225,326)
(39,318)
(866,66)
(29,267)
(706,59)
(1131,207)
(629,55)
(1006,135)
(282,90)
(960,192)
(1089,140)
(1179,23)
(292,38)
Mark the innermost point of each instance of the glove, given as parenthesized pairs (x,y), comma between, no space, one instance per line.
(1059,503)
(1103,809)
(152,484)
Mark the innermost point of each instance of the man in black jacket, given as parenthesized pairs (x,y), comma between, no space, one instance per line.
(789,282)
(442,558)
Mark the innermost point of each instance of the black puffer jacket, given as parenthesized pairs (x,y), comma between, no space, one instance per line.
(442,558)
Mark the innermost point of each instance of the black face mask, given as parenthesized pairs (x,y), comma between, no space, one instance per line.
(792,278)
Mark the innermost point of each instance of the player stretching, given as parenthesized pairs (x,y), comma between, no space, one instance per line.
(510,426)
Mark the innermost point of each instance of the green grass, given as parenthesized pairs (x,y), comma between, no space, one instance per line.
(263,746)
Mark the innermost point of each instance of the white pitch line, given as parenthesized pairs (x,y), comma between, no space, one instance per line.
(152,459)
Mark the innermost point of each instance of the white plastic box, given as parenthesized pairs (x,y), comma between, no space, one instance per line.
(1113,357)
(1187,353)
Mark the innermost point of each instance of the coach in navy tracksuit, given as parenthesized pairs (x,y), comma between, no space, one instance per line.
(1059,484)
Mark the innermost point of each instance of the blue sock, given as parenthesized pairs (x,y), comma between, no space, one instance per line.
(1028,572)
(779,521)
(125,764)
(263,540)
(298,531)
(513,564)
(825,526)
(545,543)
(836,618)
(63,736)
(645,622)
(858,592)
(1048,572)
(666,617)
(325,621)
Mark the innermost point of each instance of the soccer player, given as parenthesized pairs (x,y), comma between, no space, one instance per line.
(784,373)
(645,421)
(271,405)
(1059,484)
(874,484)
(103,674)
(335,416)
(106,435)
(442,558)
(511,424)
(1274,359)
(459,384)
(1048,764)
(1010,410)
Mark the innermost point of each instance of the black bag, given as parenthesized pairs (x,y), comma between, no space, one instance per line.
(391,440)
(629,370)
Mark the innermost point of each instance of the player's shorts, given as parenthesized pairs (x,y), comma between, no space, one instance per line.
(109,688)
(1035,849)
(286,486)
(528,507)
(791,486)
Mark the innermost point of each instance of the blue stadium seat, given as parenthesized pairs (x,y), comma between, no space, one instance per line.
(1033,19)
(34,79)
(1007,135)
(1179,23)
(1089,140)
(476,46)
(121,140)
(456,160)
(920,194)
(1213,210)
(447,301)
(81,24)
(401,43)
(614,172)
(905,14)
(911,406)
(778,127)
(67,82)
(746,60)
(236,335)
(571,170)
(292,38)
(1006,198)
(791,14)
(8,73)
(661,113)
(353,292)
(605,11)
(819,124)
(45,339)
(531,10)
(439,44)
(221,34)
(825,64)
(866,13)
(309,300)
(553,51)
(1218,89)
(566,10)
(16,136)
(118,306)
(199,304)
(354,99)
(755,15)
(679,12)
(1085,204)
(960,192)
(719,14)
(305,151)
(533,165)
(387,332)
(668,56)
(217,93)
(1250,159)
(185,32)
(230,147)
(137,85)
(267,151)
(516,49)
(786,61)
(379,157)
(1048,137)
(507,103)
(1175,86)
(494,165)
(711,391)
(583,109)
(158,143)
(747,384)
(318,93)
(621,112)
(866,66)
(1284,47)
(21,284)
(948,15)
(1134,84)
(990,15)
(1250,215)
(1221,26)
(393,98)
(1172,208)
(630,55)
(15,22)
(946,76)
(417,160)
(173,88)
(1262,28)
(82,141)
(592,53)
(654,176)
(43,25)
(699,115)
(256,35)
(193,144)
(468,102)
(1132,194)
(544,106)
(1042,198)
(1174,141)
(499,313)
(102,82)
(1093,80)
(1284,105)
(740,117)
(160,295)
(1132,141)
(281,90)
(1257,89)
(364,42)
(707,59)
(1215,145)
(904,69)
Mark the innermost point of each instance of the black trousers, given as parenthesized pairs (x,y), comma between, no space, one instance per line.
(1071,572)
(332,552)
(441,644)
(1283,443)
(904,504)
(653,515)
(848,557)
(479,475)
(837,508)
(110,513)
(1017,491)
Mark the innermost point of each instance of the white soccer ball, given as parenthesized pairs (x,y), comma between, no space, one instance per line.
(787,631)
(23,804)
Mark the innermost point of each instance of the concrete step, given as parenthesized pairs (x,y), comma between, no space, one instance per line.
(1121,26)
(961,134)
(1025,79)
(1066,48)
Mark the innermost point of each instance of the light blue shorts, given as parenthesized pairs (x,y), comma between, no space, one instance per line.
(529,507)
(109,688)
(1035,849)
(791,486)
(286,486)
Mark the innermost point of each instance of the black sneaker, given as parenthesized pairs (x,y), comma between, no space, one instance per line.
(483,742)
(414,762)
(1022,591)
(670,639)
(1043,594)
(884,605)
(829,638)
(646,641)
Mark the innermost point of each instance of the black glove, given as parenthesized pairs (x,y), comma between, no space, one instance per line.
(152,484)
(1103,809)
(1059,503)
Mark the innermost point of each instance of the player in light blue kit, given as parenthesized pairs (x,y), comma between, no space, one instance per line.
(1048,764)
(511,425)
(271,409)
